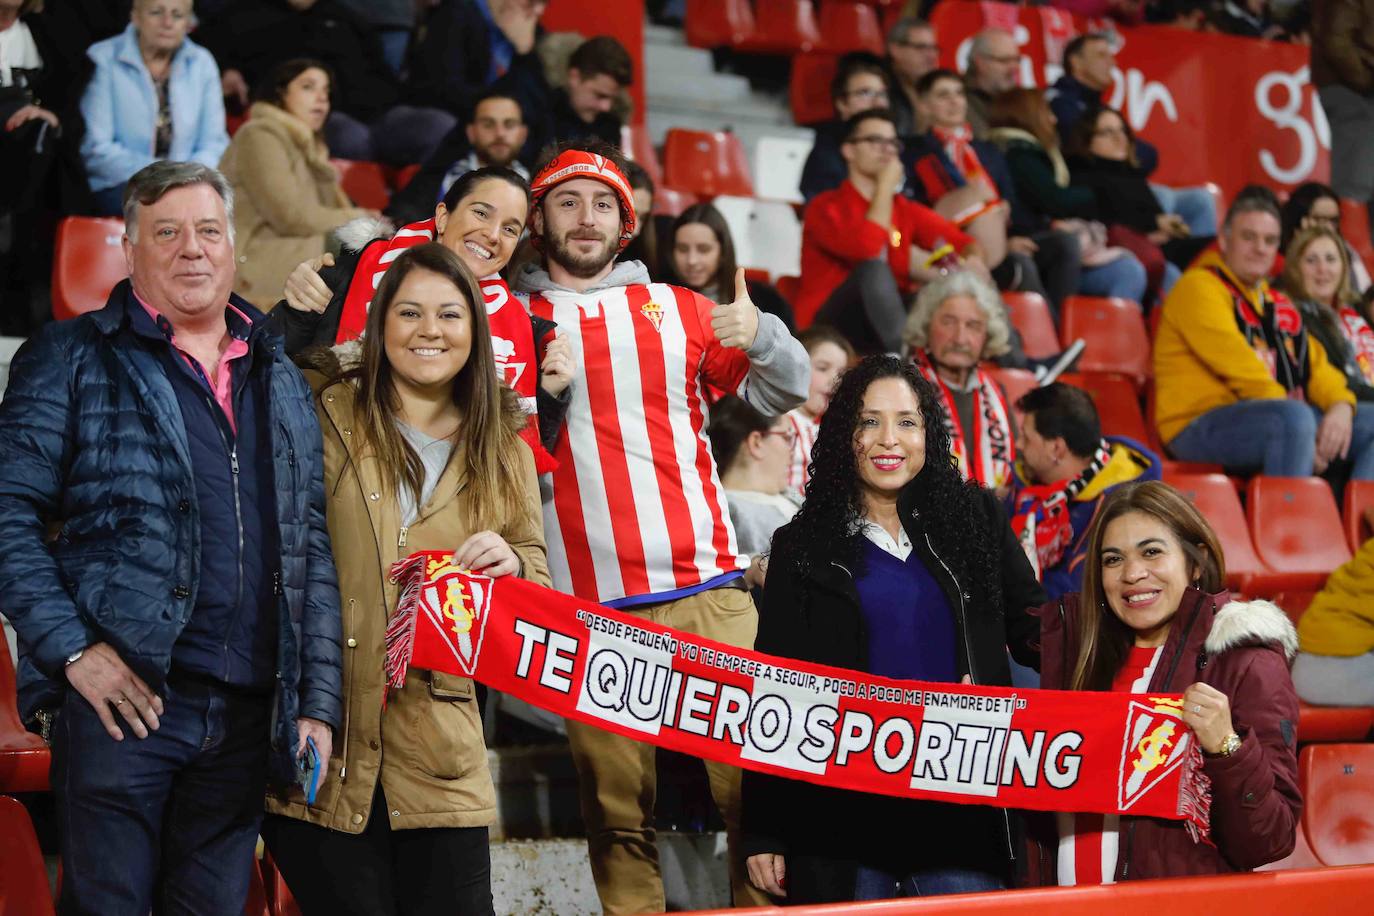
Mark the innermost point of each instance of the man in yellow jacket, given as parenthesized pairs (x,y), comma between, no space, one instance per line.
(1239,380)
(1335,663)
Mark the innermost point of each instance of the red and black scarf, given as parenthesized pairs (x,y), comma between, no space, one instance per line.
(1040,514)
(1276,334)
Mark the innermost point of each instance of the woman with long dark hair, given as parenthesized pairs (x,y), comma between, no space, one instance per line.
(1154,617)
(701,256)
(421,453)
(898,567)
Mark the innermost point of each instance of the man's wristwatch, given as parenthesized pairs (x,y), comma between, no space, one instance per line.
(1229,746)
(71,659)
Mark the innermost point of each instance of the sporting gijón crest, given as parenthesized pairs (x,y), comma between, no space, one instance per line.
(458,608)
(1156,743)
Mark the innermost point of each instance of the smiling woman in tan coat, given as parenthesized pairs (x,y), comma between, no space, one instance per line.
(421,453)
(287,194)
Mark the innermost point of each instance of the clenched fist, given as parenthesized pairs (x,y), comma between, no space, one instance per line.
(736,324)
(556,368)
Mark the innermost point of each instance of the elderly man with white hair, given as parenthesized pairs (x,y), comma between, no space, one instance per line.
(958,321)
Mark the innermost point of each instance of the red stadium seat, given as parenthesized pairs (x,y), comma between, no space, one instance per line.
(1030,314)
(1294,603)
(1217,500)
(1301,856)
(1118,405)
(788,287)
(364,182)
(397,179)
(88,260)
(808,90)
(1355,229)
(718,23)
(1015,382)
(24,758)
(757,275)
(1114,331)
(706,163)
(1359,498)
(1334,723)
(782,27)
(1297,529)
(256,904)
(1337,782)
(671,202)
(1190,467)
(279,898)
(636,145)
(849,26)
(23,876)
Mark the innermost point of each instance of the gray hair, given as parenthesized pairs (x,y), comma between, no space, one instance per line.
(1252,199)
(906,24)
(979,47)
(150,183)
(960,283)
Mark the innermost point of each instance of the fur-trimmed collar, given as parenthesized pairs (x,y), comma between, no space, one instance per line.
(1243,622)
(355,234)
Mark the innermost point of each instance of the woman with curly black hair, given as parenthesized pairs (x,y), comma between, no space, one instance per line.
(897,567)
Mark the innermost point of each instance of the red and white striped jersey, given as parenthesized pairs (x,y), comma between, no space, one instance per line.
(638,509)
(804,429)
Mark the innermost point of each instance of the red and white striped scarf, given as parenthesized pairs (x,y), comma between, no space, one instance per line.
(993,449)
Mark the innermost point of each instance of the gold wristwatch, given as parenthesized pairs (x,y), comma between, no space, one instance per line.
(1229,746)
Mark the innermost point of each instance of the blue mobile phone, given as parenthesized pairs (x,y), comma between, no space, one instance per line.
(308,770)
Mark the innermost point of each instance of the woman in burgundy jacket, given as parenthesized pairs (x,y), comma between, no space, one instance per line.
(1163,623)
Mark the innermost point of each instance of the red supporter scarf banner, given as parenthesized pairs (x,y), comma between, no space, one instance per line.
(1048,750)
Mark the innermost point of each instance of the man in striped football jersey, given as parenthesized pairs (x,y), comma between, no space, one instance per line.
(637,518)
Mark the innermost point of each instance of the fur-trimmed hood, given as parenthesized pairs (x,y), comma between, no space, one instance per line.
(1241,623)
(355,234)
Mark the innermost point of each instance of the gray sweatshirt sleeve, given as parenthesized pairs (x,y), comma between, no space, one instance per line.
(779,370)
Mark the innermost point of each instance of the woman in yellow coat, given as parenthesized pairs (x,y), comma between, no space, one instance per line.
(421,453)
(287,195)
(1335,663)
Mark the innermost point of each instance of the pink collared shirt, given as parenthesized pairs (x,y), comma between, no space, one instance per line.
(222,382)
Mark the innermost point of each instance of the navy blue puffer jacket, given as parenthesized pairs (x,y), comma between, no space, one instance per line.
(93,448)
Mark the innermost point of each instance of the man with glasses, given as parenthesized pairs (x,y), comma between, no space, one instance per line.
(860,84)
(865,247)
(994,66)
(912,52)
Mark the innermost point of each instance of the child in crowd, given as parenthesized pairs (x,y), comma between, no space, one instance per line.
(830,355)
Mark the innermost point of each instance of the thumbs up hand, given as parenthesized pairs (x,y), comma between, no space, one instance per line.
(737,323)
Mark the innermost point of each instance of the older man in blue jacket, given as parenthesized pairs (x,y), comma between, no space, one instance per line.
(165,563)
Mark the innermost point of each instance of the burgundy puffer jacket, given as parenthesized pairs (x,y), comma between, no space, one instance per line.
(1243,649)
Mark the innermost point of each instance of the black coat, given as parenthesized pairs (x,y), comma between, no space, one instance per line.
(253,36)
(1123,192)
(816,617)
(452,56)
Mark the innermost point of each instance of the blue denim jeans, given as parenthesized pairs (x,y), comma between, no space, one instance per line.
(403,135)
(1124,277)
(876,884)
(1195,206)
(166,823)
(1277,437)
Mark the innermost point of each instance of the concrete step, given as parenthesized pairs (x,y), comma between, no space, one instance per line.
(662,36)
(679,60)
(555,876)
(536,792)
(708,88)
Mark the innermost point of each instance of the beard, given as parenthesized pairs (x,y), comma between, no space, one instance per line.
(497,155)
(583,266)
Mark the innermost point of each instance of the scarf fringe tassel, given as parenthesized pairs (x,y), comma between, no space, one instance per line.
(1195,797)
(400,630)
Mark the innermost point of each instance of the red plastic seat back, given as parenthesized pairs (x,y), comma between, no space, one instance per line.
(670,201)
(1114,331)
(718,23)
(1359,498)
(1219,503)
(788,287)
(88,260)
(1297,526)
(1030,314)
(1015,382)
(638,147)
(809,88)
(1118,404)
(23,876)
(1337,783)
(782,27)
(708,163)
(364,182)
(849,26)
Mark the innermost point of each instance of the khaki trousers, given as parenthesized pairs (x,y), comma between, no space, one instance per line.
(617,780)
